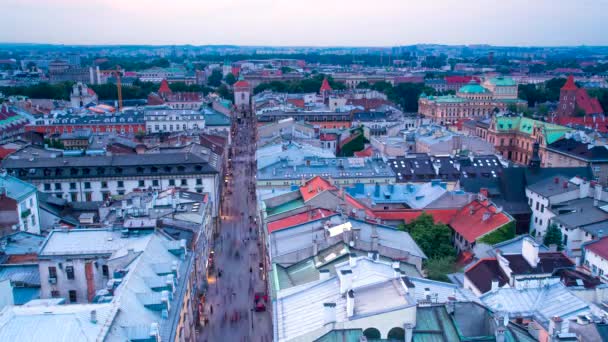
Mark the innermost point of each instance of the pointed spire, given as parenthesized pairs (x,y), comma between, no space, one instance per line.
(164,87)
(570,85)
(534,162)
(325,86)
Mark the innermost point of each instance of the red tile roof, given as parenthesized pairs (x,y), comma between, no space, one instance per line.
(356,204)
(328,137)
(599,247)
(164,87)
(241,84)
(478,219)
(314,187)
(439,215)
(298,219)
(570,85)
(5,152)
(600,123)
(325,86)
(460,79)
(365,153)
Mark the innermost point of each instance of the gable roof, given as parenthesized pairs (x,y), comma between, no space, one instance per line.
(314,187)
(599,247)
(297,219)
(478,219)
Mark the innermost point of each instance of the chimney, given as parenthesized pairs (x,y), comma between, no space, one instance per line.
(350,303)
(451,305)
(154,331)
(409,332)
(427,294)
(584,188)
(529,250)
(494,284)
(94,316)
(598,195)
(566,185)
(556,180)
(324,274)
(329,313)
(486,216)
(555,326)
(352,260)
(484,192)
(396,269)
(346,280)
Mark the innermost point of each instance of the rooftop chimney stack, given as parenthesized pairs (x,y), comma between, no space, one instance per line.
(529,250)
(555,326)
(350,303)
(94,316)
(409,332)
(329,313)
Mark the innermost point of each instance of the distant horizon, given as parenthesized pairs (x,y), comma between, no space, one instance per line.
(302,46)
(316,23)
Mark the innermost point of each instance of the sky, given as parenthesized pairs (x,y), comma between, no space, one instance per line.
(306,22)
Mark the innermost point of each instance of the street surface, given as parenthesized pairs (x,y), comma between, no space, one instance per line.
(236,276)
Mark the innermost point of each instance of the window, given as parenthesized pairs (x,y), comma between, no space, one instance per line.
(57,186)
(542,208)
(537,205)
(104,185)
(141,183)
(121,184)
(72,186)
(199,181)
(105,271)
(47,187)
(55,294)
(87,185)
(72,294)
(155,182)
(33,219)
(74,196)
(69,272)
(52,272)
(184,182)
(171,182)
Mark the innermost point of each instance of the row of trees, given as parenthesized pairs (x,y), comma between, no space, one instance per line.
(306,85)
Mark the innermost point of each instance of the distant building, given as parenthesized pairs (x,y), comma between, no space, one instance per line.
(175,100)
(569,152)
(19,205)
(173,120)
(82,95)
(242,95)
(573,98)
(471,101)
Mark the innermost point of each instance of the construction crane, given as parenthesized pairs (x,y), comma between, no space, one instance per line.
(117,72)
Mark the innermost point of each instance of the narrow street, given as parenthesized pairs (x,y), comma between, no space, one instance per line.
(237,277)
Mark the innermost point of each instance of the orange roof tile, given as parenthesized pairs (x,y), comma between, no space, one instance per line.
(325,86)
(477,219)
(439,215)
(298,219)
(314,187)
(164,87)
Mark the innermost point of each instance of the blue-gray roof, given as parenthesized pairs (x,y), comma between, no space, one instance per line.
(16,188)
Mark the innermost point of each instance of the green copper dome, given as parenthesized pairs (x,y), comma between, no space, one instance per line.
(473,88)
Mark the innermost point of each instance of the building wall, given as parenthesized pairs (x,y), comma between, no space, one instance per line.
(468,284)
(596,264)
(555,159)
(63,285)
(29,217)
(97,189)
(541,215)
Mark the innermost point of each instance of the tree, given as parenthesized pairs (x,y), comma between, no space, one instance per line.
(215,79)
(553,236)
(542,110)
(439,268)
(512,108)
(435,239)
(224,92)
(230,79)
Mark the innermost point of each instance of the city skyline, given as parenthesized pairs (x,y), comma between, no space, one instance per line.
(272,23)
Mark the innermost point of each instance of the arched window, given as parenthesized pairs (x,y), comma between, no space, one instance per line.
(396,334)
(372,333)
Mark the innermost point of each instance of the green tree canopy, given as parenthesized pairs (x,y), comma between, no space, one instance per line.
(215,79)
(553,236)
(435,239)
(230,79)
